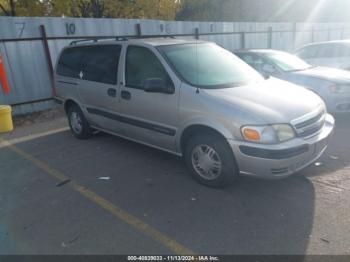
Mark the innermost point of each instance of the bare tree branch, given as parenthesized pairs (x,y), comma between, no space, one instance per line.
(4,10)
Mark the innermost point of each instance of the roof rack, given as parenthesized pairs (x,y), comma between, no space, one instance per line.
(119,38)
(96,39)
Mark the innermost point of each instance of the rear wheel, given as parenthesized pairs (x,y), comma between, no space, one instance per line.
(78,123)
(210,160)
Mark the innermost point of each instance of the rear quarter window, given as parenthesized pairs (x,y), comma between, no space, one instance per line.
(333,50)
(69,63)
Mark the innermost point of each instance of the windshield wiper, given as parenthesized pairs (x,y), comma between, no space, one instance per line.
(301,69)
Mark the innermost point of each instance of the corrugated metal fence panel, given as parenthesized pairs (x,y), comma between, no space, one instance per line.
(26,63)
(283,40)
(27,74)
(30,77)
(333,31)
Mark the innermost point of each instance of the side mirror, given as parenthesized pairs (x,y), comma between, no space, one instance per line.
(158,85)
(268,69)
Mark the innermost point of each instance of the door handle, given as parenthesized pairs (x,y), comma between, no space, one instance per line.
(126,95)
(112,92)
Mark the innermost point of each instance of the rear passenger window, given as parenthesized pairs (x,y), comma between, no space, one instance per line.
(97,63)
(307,52)
(100,63)
(70,62)
(327,51)
(142,64)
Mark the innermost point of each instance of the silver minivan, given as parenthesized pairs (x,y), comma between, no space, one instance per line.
(193,99)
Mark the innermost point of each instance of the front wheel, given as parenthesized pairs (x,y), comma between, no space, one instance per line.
(78,123)
(210,160)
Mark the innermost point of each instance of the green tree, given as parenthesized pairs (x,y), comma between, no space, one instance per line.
(144,9)
(198,10)
(155,9)
(7,7)
(59,8)
(30,8)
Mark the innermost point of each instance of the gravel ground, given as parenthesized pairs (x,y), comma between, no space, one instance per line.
(38,117)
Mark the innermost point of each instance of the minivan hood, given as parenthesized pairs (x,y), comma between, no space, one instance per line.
(333,75)
(269,102)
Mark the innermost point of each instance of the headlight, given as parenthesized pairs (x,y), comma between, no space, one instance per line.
(269,134)
(339,88)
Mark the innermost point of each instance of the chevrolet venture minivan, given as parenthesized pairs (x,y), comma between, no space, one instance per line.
(193,99)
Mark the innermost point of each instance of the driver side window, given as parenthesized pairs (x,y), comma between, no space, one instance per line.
(254,61)
(142,64)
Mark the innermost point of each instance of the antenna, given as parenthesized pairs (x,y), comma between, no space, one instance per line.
(197,66)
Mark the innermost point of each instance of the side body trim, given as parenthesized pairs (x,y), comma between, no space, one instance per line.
(139,123)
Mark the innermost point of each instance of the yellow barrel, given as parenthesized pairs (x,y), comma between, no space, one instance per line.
(6,124)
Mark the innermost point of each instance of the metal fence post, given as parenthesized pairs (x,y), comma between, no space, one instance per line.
(294,35)
(138,30)
(269,39)
(196,32)
(242,37)
(48,57)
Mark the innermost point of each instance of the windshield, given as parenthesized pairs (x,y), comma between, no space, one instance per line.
(207,65)
(288,62)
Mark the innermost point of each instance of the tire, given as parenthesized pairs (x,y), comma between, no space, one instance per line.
(217,149)
(78,123)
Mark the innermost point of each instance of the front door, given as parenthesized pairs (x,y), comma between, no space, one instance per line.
(148,117)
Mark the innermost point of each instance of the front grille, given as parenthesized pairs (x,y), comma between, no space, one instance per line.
(311,124)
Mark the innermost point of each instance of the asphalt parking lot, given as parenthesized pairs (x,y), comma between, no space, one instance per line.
(106,195)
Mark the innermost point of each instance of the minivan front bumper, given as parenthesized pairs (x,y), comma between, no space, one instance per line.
(281,160)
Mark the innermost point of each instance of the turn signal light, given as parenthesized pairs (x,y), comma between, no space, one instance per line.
(251,134)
